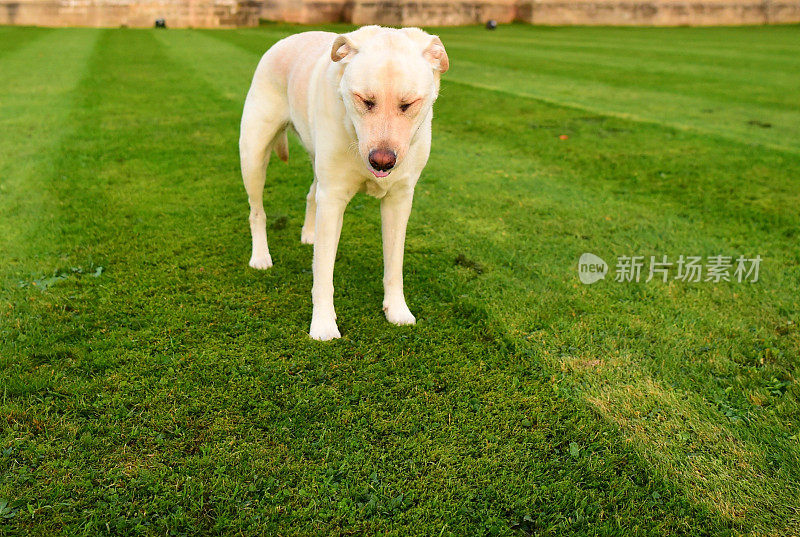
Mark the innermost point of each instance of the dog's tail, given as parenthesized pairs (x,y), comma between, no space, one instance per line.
(281,146)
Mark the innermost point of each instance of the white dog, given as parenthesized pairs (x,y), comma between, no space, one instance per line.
(361,104)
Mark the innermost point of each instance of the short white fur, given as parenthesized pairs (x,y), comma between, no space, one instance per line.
(345,96)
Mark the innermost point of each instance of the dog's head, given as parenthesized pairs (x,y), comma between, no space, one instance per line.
(389,82)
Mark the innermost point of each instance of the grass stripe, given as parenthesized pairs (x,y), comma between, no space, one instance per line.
(734,82)
(225,67)
(664,108)
(750,42)
(36,97)
(19,39)
(704,54)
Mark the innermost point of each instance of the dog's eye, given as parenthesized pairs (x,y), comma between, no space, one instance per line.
(405,106)
(369,104)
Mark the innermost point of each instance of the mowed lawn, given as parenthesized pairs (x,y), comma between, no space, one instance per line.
(153,384)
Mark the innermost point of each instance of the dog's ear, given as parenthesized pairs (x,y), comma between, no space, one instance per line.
(342,48)
(432,48)
(436,55)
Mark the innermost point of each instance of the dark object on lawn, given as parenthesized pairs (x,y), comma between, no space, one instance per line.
(757,123)
(280,222)
(161,23)
(464,261)
(491,24)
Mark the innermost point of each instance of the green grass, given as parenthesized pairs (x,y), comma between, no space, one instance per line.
(175,391)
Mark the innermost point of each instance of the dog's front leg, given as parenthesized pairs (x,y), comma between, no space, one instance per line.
(395,209)
(327,228)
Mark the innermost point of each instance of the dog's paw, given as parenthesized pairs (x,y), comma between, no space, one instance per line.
(399,314)
(261,262)
(307,237)
(324,330)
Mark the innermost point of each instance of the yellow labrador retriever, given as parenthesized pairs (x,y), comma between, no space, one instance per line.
(361,104)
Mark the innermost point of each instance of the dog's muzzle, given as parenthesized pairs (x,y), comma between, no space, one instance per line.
(382,161)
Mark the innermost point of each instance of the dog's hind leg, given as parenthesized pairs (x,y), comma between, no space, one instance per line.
(307,233)
(263,129)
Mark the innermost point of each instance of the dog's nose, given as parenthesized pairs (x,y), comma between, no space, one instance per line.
(382,160)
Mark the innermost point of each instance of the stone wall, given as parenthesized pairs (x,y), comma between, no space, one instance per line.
(547,12)
(659,12)
(134,13)
(308,12)
(432,13)
(231,13)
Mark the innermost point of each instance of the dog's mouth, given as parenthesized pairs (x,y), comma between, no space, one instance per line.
(379,174)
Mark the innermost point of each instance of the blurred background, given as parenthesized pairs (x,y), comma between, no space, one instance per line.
(236,13)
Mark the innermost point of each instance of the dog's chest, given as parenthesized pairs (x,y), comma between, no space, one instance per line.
(375,188)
